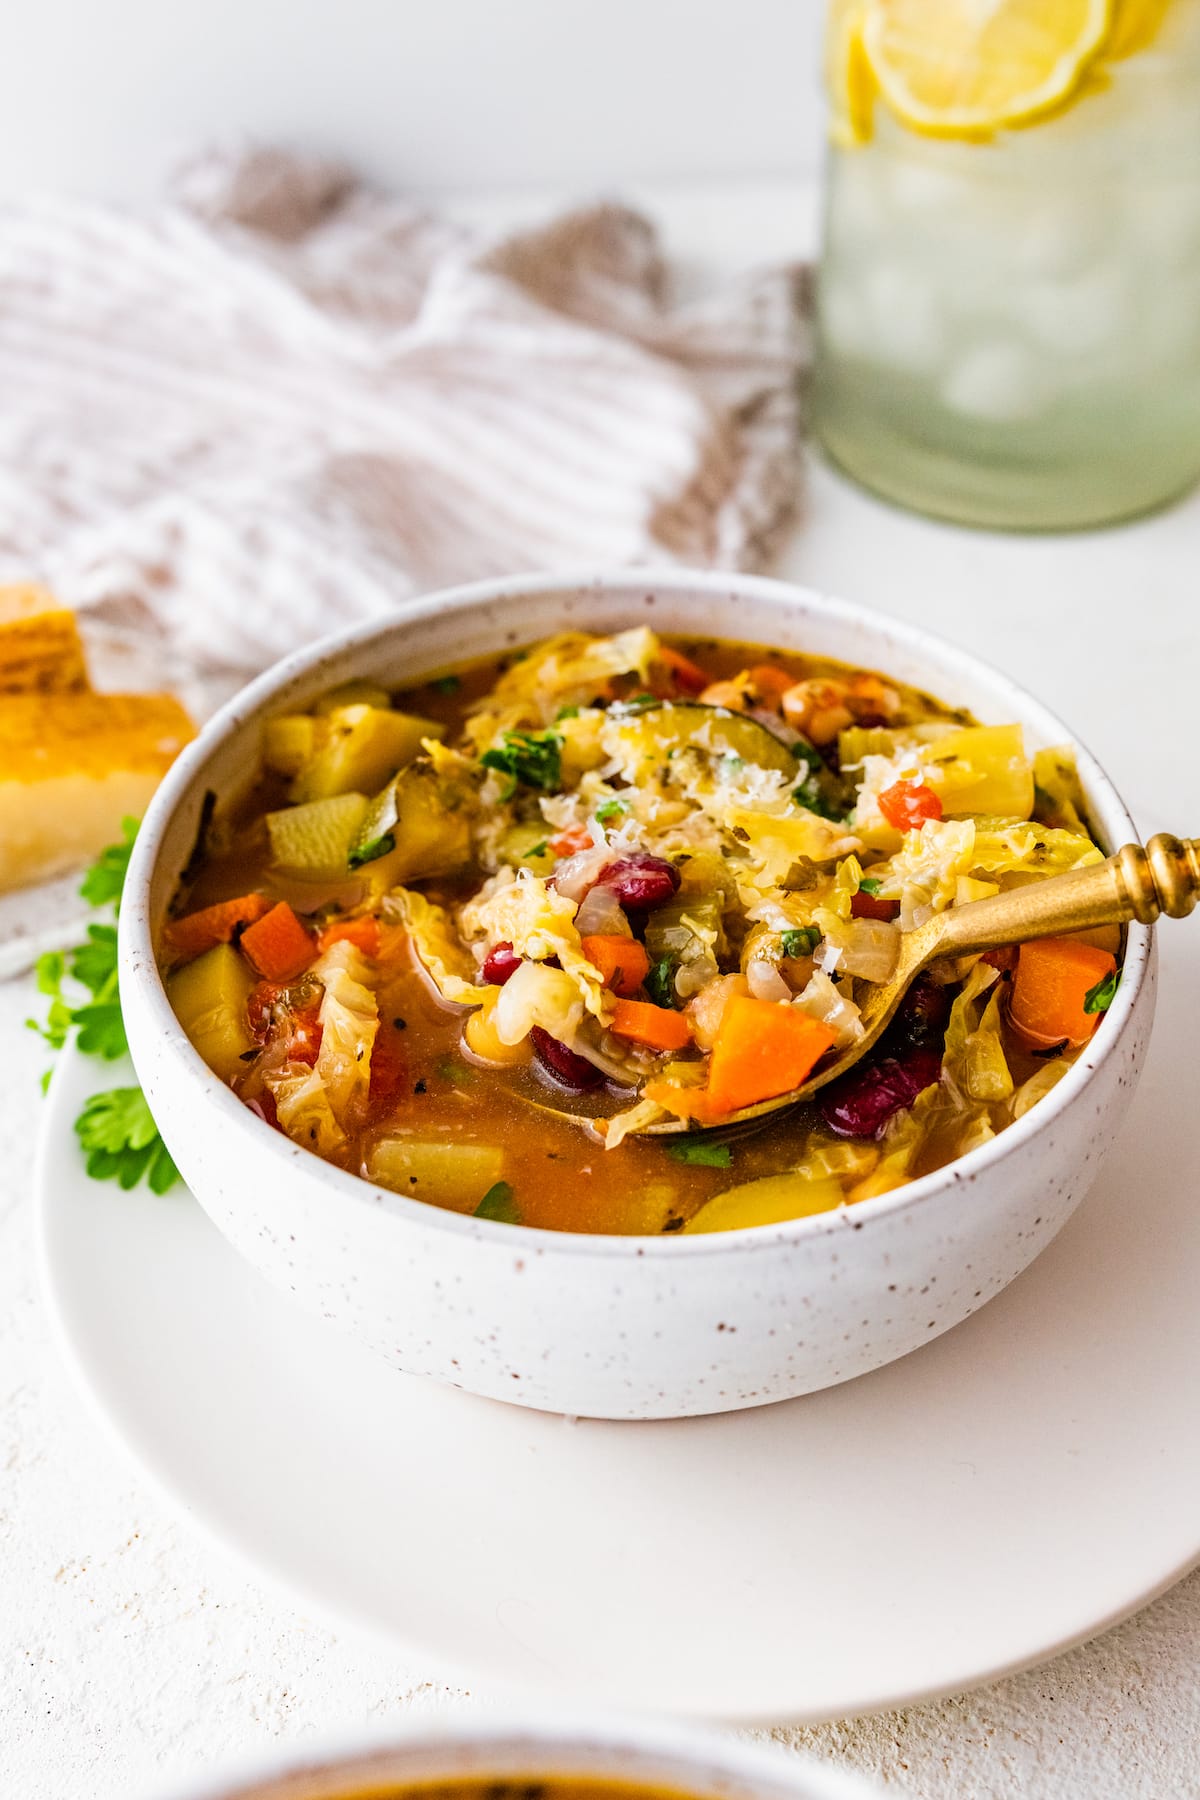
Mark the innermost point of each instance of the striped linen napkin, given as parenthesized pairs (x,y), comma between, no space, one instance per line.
(282,402)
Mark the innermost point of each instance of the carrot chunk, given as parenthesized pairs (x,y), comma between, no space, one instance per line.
(762,1049)
(199,931)
(363,933)
(623,962)
(278,945)
(1053,979)
(654,1027)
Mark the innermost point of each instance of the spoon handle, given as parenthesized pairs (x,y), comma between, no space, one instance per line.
(1133,884)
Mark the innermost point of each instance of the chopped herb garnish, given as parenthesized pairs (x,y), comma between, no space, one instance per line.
(451,1069)
(1098,999)
(537,850)
(636,703)
(660,982)
(612,809)
(371,851)
(699,1152)
(801,941)
(732,765)
(566,712)
(870,884)
(120,1140)
(809,795)
(446,684)
(529,759)
(499,1204)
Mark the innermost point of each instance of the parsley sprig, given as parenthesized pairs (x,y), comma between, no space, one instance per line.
(529,759)
(1098,999)
(115,1129)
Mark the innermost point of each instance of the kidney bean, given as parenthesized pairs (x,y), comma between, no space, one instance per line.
(641,881)
(573,1072)
(923,1015)
(500,963)
(862,1102)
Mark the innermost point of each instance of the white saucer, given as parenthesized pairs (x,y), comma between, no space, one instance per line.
(1018,1485)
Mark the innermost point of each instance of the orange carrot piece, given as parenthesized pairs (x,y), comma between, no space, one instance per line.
(1052,979)
(763,1048)
(772,683)
(654,1027)
(623,962)
(683,671)
(278,945)
(200,931)
(362,932)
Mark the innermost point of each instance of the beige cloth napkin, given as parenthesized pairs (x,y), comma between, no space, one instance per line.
(282,402)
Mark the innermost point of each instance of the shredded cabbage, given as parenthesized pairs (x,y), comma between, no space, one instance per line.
(441,954)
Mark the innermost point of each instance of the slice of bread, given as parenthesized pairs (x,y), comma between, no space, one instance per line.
(72,766)
(40,647)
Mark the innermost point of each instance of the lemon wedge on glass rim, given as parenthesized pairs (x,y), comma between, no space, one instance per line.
(964,68)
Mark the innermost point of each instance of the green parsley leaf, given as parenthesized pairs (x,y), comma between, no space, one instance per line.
(566,712)
(101,1029)
(372,851)
(801,941)
(870,884)
(121,1142)
(529,759)
(1098,999)
(809,795)
(94,964)
(699,1152)
(498,1204)
(49,970)
(537,850)
(105,879)
(660,982)
(446,684)
(612,809)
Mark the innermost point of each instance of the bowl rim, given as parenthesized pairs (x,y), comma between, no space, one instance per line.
(692,1760)
(139,964)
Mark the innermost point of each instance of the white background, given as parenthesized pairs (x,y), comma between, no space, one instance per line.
(100,95)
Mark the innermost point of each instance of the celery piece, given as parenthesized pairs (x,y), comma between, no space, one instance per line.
(667,935)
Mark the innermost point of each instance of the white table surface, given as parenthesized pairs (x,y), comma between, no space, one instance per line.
(132,1653)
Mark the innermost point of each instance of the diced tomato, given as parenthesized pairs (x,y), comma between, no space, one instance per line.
(1004,959)
(771,683)
(389,1074)
(260,1006)
(909,804)
(571,841)
(304,1045)
(362,932)
(686,676)
(870,906)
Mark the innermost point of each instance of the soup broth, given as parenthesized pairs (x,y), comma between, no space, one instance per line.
(468,940)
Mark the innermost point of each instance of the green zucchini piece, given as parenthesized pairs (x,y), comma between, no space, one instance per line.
(313,841)
(420,825)
(683,724)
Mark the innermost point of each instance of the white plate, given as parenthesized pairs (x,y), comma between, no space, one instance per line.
(1016,1486)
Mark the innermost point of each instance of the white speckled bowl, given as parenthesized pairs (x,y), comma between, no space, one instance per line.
(687,1762)
(618,1327)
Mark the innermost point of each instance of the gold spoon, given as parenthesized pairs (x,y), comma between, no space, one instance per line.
(1132,884)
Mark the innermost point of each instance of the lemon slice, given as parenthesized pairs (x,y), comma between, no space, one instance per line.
(963,68)
(848,78)
(1136,24)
